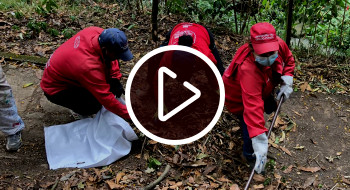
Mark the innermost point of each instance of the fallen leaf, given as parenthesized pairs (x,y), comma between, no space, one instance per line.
(178,184)
(119,176)
(27,85)
(299,147)
(288,170)
(261,186)
(214,185)
(231,145)
(198,163)
(208,169)
(191,179)
(149,170)
(234,187)
(285,150)
(258,178)
(330,159)
(345,180)
(309,169)
(309,181)
(277,176)
(223,179)
(81,185)
(297,113)
(210,177)
(314,142)
(234,129)
(305,86)
(283,136)
(152,142)
(113,185)
(201,155)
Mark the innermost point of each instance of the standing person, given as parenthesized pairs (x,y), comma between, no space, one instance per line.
(256,69)
(10,122)
(83,73)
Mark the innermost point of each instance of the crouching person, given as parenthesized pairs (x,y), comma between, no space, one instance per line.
(256,69)
(83,73)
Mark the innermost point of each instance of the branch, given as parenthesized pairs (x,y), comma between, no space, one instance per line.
(160,178)
(23,58)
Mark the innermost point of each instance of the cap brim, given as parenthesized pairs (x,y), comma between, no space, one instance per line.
(265,47)
(126,56)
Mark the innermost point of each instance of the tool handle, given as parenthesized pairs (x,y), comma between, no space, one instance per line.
(268,136)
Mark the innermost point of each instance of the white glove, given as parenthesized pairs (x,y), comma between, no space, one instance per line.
(286,87)
(260,145)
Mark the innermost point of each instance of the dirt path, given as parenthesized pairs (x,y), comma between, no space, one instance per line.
(322,130)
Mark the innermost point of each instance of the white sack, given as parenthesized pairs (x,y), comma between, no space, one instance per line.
(89,142)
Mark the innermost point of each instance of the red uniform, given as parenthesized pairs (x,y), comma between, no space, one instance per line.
(79,63)
(201,39)
(247,84)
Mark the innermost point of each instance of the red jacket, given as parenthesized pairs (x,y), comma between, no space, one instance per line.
(79,63)
(247,84)
(199,33)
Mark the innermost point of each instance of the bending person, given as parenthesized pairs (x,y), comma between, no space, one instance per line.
(256,69)
(83,73)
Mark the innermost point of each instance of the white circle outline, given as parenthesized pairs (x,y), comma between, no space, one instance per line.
(172,48)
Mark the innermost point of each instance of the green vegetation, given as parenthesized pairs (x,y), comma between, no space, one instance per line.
(320,25)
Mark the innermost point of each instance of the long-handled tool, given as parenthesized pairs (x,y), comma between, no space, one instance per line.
(268,136)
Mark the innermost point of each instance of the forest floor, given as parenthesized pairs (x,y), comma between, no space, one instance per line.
(310,144)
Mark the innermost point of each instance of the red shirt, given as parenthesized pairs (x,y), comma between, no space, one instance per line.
(79,63)
(247,84)
(201,39)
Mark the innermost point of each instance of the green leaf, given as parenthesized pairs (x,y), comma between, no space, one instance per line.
(81,185)
(277,140)
(153,163)
(28,84)
(201,155)
(131,26)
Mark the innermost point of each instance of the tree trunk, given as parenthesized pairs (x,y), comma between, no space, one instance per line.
(154,20)
(342,26)
(234,13)
(289,22)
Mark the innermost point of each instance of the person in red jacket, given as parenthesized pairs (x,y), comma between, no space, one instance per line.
(256,69)
(197,37)
(83,73)
(191,35)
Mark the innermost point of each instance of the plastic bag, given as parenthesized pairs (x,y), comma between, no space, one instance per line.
(89,142)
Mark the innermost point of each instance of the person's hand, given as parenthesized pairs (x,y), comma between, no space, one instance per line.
(116,87)
(286,87)
(260,146)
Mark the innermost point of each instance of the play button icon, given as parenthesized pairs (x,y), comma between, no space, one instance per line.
(174,95)
(161,115)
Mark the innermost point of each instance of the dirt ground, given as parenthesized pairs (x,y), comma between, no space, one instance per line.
(310,146)
(322,128)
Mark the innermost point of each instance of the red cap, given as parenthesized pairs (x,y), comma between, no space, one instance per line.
(263,38)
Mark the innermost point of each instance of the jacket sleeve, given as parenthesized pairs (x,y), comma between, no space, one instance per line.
(288,59)
(94,80)
(251,81)
(115,70)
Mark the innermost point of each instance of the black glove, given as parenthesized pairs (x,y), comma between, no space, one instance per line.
(116,87)
(270,104)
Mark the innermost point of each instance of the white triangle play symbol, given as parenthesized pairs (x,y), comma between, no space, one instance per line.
(161,116)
